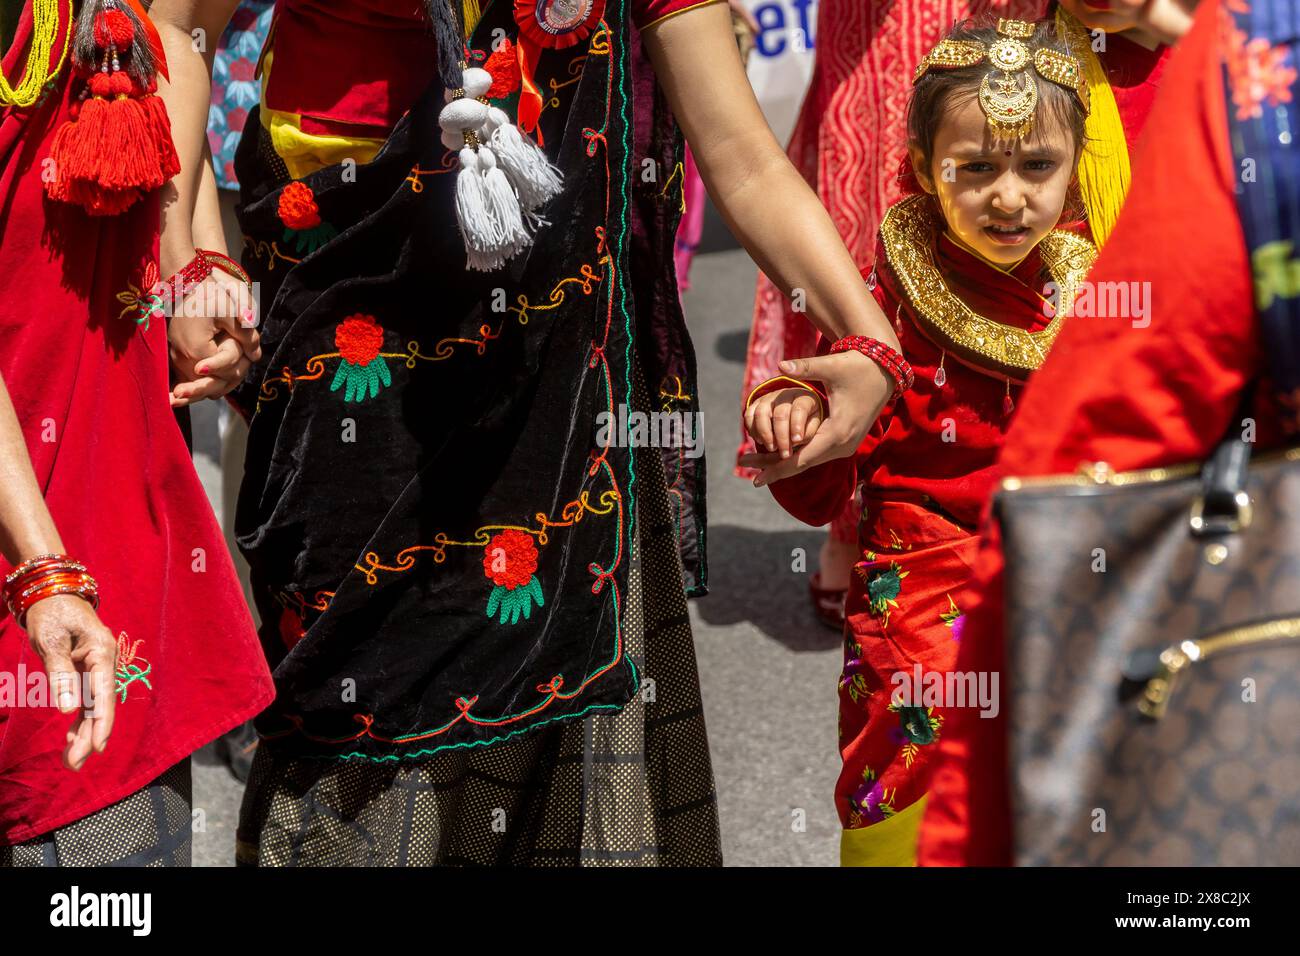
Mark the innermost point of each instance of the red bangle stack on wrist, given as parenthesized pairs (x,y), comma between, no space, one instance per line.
(880,353)
(45,576)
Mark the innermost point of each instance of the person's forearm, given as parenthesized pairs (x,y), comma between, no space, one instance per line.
(187,96)
(797,246)
(206,226)
(26,528)
(762,197)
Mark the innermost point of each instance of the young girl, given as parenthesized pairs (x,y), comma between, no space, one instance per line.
(971,270)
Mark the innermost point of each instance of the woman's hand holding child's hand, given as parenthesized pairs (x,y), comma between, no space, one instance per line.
(789,422)
(784,419)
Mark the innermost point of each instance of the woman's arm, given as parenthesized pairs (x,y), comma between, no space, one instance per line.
(778,219)
(213,350)
(64,630)
(768,205)
(187,95)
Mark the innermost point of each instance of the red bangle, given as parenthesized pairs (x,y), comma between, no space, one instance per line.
(201,266)
(46,576)
(884,356)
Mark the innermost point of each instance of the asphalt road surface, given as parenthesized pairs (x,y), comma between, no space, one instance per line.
(767,667)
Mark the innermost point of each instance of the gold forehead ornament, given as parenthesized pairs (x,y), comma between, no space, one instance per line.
(1008,94)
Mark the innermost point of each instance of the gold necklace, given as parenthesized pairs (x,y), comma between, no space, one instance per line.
(995,348)
(37,73)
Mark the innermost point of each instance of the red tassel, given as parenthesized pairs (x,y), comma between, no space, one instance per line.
(117,144)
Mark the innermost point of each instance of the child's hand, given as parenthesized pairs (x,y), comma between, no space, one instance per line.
(784,419)
(856,391)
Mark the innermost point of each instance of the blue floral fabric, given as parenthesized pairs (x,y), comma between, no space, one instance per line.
(235,88)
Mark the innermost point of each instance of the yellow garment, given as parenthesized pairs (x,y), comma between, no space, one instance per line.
(891,842)
(1104,171)
(304,153)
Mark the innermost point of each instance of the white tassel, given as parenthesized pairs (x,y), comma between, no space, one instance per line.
(504,177)
(504,204)
(535,179)
(483,234)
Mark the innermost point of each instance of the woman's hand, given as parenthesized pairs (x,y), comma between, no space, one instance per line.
(213,340)
(1163,20)
(783,419)
(74,645)
(856,388)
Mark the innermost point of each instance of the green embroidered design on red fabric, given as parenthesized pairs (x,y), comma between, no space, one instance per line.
(131,668)
(144,302)
(918,725)
(883,587)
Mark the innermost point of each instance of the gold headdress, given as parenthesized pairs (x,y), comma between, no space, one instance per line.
(1008,100)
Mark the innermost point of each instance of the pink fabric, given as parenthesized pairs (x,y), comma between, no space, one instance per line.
(692,224)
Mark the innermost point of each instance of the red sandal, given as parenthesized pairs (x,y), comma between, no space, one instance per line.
(828,603)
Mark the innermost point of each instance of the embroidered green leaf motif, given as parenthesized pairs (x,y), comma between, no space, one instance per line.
(307,241)
(361,381)
(883,587)
(917,725)
(514,603)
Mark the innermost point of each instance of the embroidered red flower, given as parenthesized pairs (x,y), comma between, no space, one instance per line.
(359,339)
(509,562)
(146,301)
(510,559)
(297,208)
(363,370)
(131,668)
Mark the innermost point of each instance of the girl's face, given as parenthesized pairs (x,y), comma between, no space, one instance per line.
(999,199)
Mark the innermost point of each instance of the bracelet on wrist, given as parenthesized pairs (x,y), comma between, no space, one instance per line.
(44,576)
(201,266)
(894,365)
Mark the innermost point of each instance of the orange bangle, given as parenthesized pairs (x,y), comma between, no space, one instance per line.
(45,576)
(785,381)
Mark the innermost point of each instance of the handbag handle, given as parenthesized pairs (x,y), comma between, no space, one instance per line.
(1224,506)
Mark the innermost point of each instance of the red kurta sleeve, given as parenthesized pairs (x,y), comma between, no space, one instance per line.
(1135,392)
(647,12)
(817,495)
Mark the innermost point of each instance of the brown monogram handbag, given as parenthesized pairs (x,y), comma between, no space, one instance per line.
(1153,624)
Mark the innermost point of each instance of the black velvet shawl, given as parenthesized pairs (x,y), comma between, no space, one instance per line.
(404,477)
